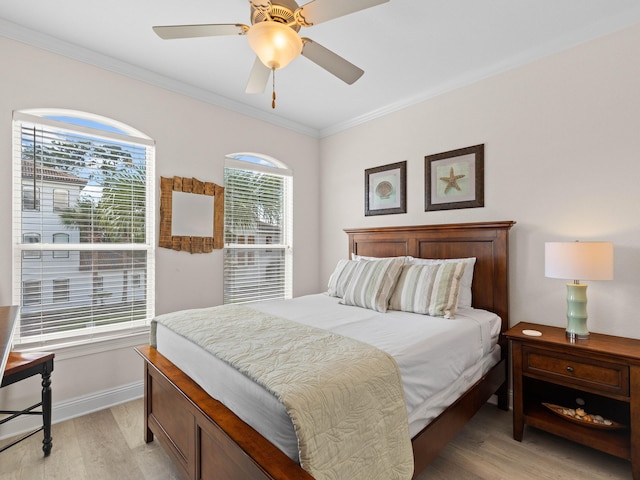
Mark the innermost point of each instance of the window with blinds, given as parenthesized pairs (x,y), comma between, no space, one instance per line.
(258,229)
(83,206)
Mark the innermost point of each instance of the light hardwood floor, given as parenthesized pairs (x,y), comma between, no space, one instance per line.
(109,445)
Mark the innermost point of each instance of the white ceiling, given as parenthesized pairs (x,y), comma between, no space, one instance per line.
(410,50)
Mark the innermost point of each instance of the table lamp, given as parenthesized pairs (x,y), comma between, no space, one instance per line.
(578,260)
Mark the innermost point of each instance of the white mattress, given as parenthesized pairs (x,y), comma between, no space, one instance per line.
(439,359)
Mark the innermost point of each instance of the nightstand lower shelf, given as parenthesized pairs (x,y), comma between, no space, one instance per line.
(613,442)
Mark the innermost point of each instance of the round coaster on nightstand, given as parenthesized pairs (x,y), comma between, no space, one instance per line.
(532,333)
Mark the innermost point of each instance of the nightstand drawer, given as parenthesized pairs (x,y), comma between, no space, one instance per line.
(580,371)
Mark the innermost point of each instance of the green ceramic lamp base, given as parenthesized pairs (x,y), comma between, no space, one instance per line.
(577,311)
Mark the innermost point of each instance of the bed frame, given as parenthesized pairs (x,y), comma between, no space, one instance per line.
(206,440)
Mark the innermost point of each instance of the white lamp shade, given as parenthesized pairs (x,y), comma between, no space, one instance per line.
(579,260)
(274,43)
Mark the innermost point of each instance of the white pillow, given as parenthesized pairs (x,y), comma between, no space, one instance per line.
(428,289)
(464,297)
(372,283)
(340,277)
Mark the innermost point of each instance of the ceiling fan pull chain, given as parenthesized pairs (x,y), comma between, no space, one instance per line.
(273,95)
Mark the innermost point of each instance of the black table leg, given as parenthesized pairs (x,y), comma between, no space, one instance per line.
(47,443)
(21,365)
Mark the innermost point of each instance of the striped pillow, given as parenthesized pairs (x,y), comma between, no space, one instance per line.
(465,295)
(372,283)
(429,289)
(340,277)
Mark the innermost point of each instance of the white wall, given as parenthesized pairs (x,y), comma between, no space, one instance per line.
(192,139)
(562,158)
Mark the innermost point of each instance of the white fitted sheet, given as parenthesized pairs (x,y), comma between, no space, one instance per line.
(439,359)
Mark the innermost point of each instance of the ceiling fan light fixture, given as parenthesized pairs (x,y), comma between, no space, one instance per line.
(274,43)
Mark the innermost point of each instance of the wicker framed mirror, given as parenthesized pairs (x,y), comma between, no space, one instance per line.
(189,243)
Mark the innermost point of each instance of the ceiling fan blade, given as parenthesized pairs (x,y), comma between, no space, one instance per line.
(318,11)
(331,62)
(169,32)
(258,77)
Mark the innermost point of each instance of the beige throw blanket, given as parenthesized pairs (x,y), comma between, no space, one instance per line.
(345,397)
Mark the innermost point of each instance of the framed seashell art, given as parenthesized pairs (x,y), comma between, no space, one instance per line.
(385,189)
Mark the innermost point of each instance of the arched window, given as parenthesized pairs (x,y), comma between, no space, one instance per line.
(61,238)
(31,238)
(84,186)
(258,228)
(60,199)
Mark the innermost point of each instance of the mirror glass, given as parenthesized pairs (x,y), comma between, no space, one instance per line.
(192,215)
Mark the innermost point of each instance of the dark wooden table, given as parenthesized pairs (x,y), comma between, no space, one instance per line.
(17,366)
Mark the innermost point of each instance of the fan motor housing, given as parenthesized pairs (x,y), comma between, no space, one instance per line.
(275,13)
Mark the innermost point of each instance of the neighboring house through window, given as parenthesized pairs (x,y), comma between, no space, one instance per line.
(258,229)
(84,208)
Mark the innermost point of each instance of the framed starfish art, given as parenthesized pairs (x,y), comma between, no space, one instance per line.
(454,179)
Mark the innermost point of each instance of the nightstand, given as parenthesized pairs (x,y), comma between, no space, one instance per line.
(600,375)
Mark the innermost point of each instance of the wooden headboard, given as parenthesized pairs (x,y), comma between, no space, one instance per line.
(487,241)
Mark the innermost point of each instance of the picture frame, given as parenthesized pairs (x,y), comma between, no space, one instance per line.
(454,179)
(190,243)
(385,189)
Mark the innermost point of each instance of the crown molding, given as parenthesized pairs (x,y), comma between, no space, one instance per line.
(75,52)
(602,28)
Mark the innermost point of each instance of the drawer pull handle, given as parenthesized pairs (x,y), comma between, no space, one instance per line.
(570,369)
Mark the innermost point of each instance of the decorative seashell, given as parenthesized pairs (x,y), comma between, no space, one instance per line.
(581,416)
(384,189)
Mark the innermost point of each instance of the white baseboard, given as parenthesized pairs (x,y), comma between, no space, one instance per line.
(75,408)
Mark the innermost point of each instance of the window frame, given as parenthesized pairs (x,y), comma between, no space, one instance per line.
(31,254)
(60,295)
(27,201)
(35,285)
(56,201)
(108,130)
(60,253)
(249,250)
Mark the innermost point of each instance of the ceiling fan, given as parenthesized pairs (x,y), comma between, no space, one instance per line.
(273,36)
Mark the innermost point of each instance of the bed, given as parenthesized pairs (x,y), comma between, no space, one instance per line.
(206,440)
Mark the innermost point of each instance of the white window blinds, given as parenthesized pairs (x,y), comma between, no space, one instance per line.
(83,243)
(258,231)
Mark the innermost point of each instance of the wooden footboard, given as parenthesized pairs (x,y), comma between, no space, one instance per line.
(204,438)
